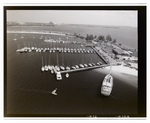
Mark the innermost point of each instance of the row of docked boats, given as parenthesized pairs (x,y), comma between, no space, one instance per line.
(57,68)
(69,50)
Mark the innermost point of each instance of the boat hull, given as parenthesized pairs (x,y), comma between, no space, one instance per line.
(107,85)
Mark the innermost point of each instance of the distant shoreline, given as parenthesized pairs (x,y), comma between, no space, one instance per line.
(41,32)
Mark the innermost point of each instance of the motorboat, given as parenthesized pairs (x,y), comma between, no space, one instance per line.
(67,75)
(58,76)
(90,64)
(43,68)
(81,65)
(62,68)
(67,68)
(57,68)
(77,67)
(107,85)
(73,67)
(85,65)
(46,68)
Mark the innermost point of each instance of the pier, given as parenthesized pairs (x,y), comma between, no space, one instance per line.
(99,54)
(82,69)
(58,73)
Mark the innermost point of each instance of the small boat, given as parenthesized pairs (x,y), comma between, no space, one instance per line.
(85,65)
(62,68)
(22,36)
(67,75)
(49,66)
(15,37)
(67,68)
(73,67)
(54,92)
(57,68)
(52,71)
(107,85)
(97,63)
(90,64)
(58,76)
(93,64)
(82,66)
(43,68)
(100,63)
(46,67)
(77,67)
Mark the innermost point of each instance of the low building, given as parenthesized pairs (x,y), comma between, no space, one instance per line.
(127,58)
(119,51)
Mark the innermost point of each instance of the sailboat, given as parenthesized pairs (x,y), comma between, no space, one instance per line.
(85,61)
(62,67)
(33,36)
(22,36)
(68,68)
(90,60)
(76,66)
(57,66)
(107,84)
(15,37)
(42,69)
(81,65)
(54,92)
(46,67)
(49,66)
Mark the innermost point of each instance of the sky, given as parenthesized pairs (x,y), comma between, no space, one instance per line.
(99,17)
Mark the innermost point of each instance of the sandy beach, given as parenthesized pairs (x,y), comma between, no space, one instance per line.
(123,69)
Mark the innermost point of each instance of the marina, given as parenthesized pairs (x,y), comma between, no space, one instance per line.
(73,61)
(60,48)
(49,76)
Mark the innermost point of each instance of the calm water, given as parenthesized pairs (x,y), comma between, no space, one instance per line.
(29,89)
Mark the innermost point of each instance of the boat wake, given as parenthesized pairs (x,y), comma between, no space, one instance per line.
(37,91)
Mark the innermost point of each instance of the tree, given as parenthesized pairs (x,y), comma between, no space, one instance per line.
(75,34)
(114,41)
(87,37)
(101,37)
(108,38)
(91,37)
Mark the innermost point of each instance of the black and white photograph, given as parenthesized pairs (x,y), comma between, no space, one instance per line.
(74,61)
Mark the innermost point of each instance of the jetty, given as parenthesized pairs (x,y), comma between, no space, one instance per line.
(99,54)
(58,73)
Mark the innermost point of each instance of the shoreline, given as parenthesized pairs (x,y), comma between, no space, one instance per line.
(123,70)
(41,32)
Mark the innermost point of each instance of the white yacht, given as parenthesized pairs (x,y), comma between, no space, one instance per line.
(107,84)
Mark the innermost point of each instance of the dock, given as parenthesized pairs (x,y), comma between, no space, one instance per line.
(99,55)
(82,69)
(58,73)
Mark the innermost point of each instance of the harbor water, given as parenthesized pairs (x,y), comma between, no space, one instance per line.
(29,89)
